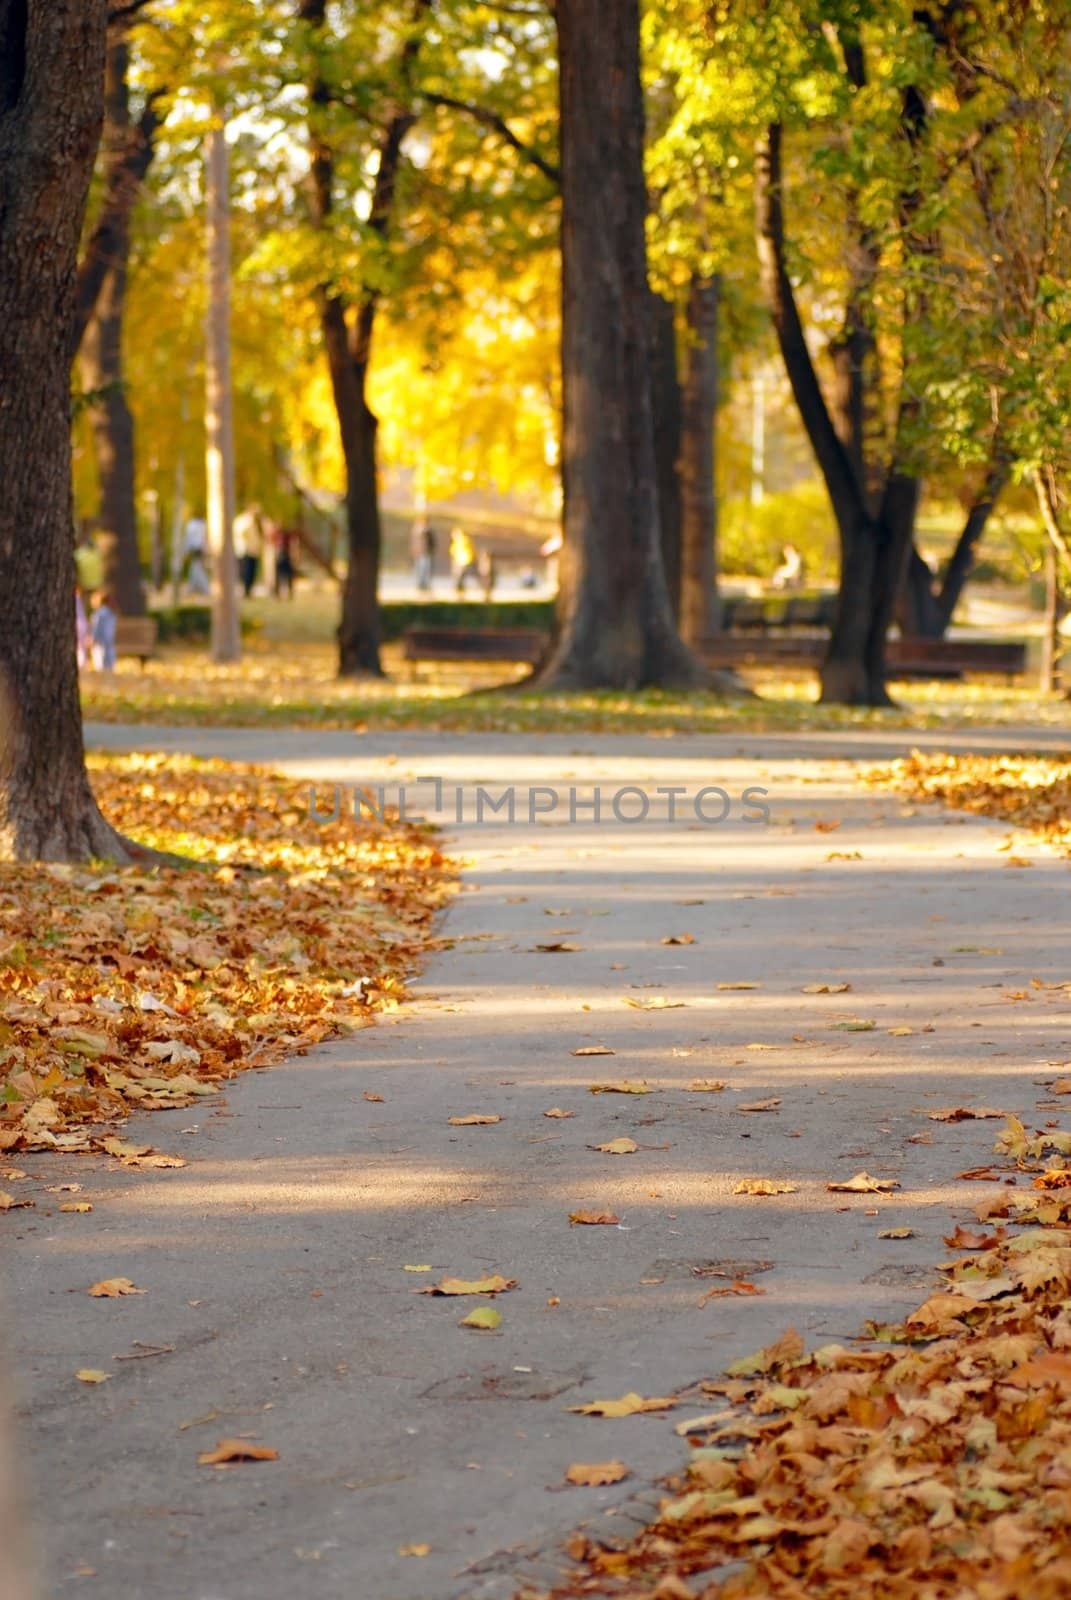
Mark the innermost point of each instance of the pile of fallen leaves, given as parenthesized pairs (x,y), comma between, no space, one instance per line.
(932,1462)
(130,988)
(1033,792)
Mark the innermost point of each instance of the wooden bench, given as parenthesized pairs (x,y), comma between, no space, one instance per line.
(136,636)
(775,612)
(475,644)
(907,658)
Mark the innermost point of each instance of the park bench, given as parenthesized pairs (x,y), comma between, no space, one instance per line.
(907,658)
(136,636)
(774,613)
(474,644)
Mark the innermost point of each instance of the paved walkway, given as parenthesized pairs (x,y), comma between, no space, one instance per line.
(274,1262)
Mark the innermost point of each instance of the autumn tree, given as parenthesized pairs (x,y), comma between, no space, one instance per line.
(617,625)
(51,108)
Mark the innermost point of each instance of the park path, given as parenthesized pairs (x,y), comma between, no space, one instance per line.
(274,1260)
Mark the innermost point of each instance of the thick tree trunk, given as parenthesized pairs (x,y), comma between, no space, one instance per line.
(129,152)
(51,107)
(667,418)
(699,594)
(617,624)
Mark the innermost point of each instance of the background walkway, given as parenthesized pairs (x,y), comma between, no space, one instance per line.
(274,1261)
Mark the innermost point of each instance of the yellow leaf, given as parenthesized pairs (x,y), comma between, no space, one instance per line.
(556,1111)
(414,1549)
(629,1405)
(474,1121)
(593,1050)
(76,1205)
(659,1003)
(758,1105)
(229,1452)
(593,1474)
(964,1114)
(897,1233)
(112,1288)
(484,1318)
(594,1219)
(92,1375)
(863,1183)
(11,1202)
(624,1086)
(416,1269)
(739,985)
(617,1147)
(762,1186)
(705,1086)
(455,1286)
(825,988)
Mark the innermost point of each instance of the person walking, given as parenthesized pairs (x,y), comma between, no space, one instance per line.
(102,632)
(194,568)
(283,541)
(249,546)
(462,558)
(422,549)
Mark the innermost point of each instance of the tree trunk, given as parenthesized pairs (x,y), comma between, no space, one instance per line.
(925,611)
(918,609)
(667,419)
(699,595)
(1050,639)
(129,151)
(359,625)
(51,108)
(219,419)
(617,624)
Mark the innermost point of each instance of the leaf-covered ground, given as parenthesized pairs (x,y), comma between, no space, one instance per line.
(293,684)
(1032,792)
(930,1462)
(125,988)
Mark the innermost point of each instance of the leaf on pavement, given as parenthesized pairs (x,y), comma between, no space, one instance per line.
(476,1120)
(659,1003)
(92,1375)
(740,1287)
(964,1114)
(763,1186)
(557,1112)
(857,1025)
(679,938)
(594,1219)
(758,1105)
(738,986)
(416,1269)
(594,1474)
(629,1405)
(825,988)
(863,1183)
(377,1099)
(897,1233)
(414,1549)
(555,945)
(624,1086)
(485,1319)
(617,1147)
(706,1086)
(79,1206)
(452,1286)
(11,1202)
(230,1452)
(593,1050)
(113,1288)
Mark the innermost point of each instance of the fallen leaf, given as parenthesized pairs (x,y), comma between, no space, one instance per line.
(679,938)
(593,1050)
(593,1474)
(763,1186)
(899,1033)
(80,1206)
(897,1233)
(857,1025)
(556,1111)
(625,1086)
(706,1086)
(617,1147)
(738,986)
(555,945)
(112,1288)
(964,1114)
(229,1452)
(11,1202)
(629,1405)
(825,988)
(416,1269)
(594,1219)
(484,1318)
(474,1121)
(739,1287)
(454,1286)
(92,1375)
(758,1105)
(863,1183)
(376,1098)
(659,1003)
(414,1549)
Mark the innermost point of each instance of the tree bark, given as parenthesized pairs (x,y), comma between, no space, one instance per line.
(100,302)
(924,607)
(667,418)
(51,109)
(617,624)
(699,596)
(219,415)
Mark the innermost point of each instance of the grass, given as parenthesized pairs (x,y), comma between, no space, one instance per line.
(292,684)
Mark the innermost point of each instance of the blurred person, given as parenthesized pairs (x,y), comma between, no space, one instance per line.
(249,546)
(789,575)
(194,542)
(462,558)
(487,570)
(81,628)
(102,631)
(551,550)
(422,548)
(285,571)
(88,564)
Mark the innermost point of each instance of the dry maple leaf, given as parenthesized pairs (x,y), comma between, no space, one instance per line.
(593,1219)
(474,1121)
(740,1287)
(964,1114)
(617,1147)
(593,1050)
(594,1474)
(863,1183)
(629,1405)
(230,1452)
(113,1288)
(624,1086)
(453,1286)
(764,1186)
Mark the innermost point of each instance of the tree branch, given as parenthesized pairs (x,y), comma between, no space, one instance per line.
(491,119)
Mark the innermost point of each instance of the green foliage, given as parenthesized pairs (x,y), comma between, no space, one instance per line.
(752,537)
